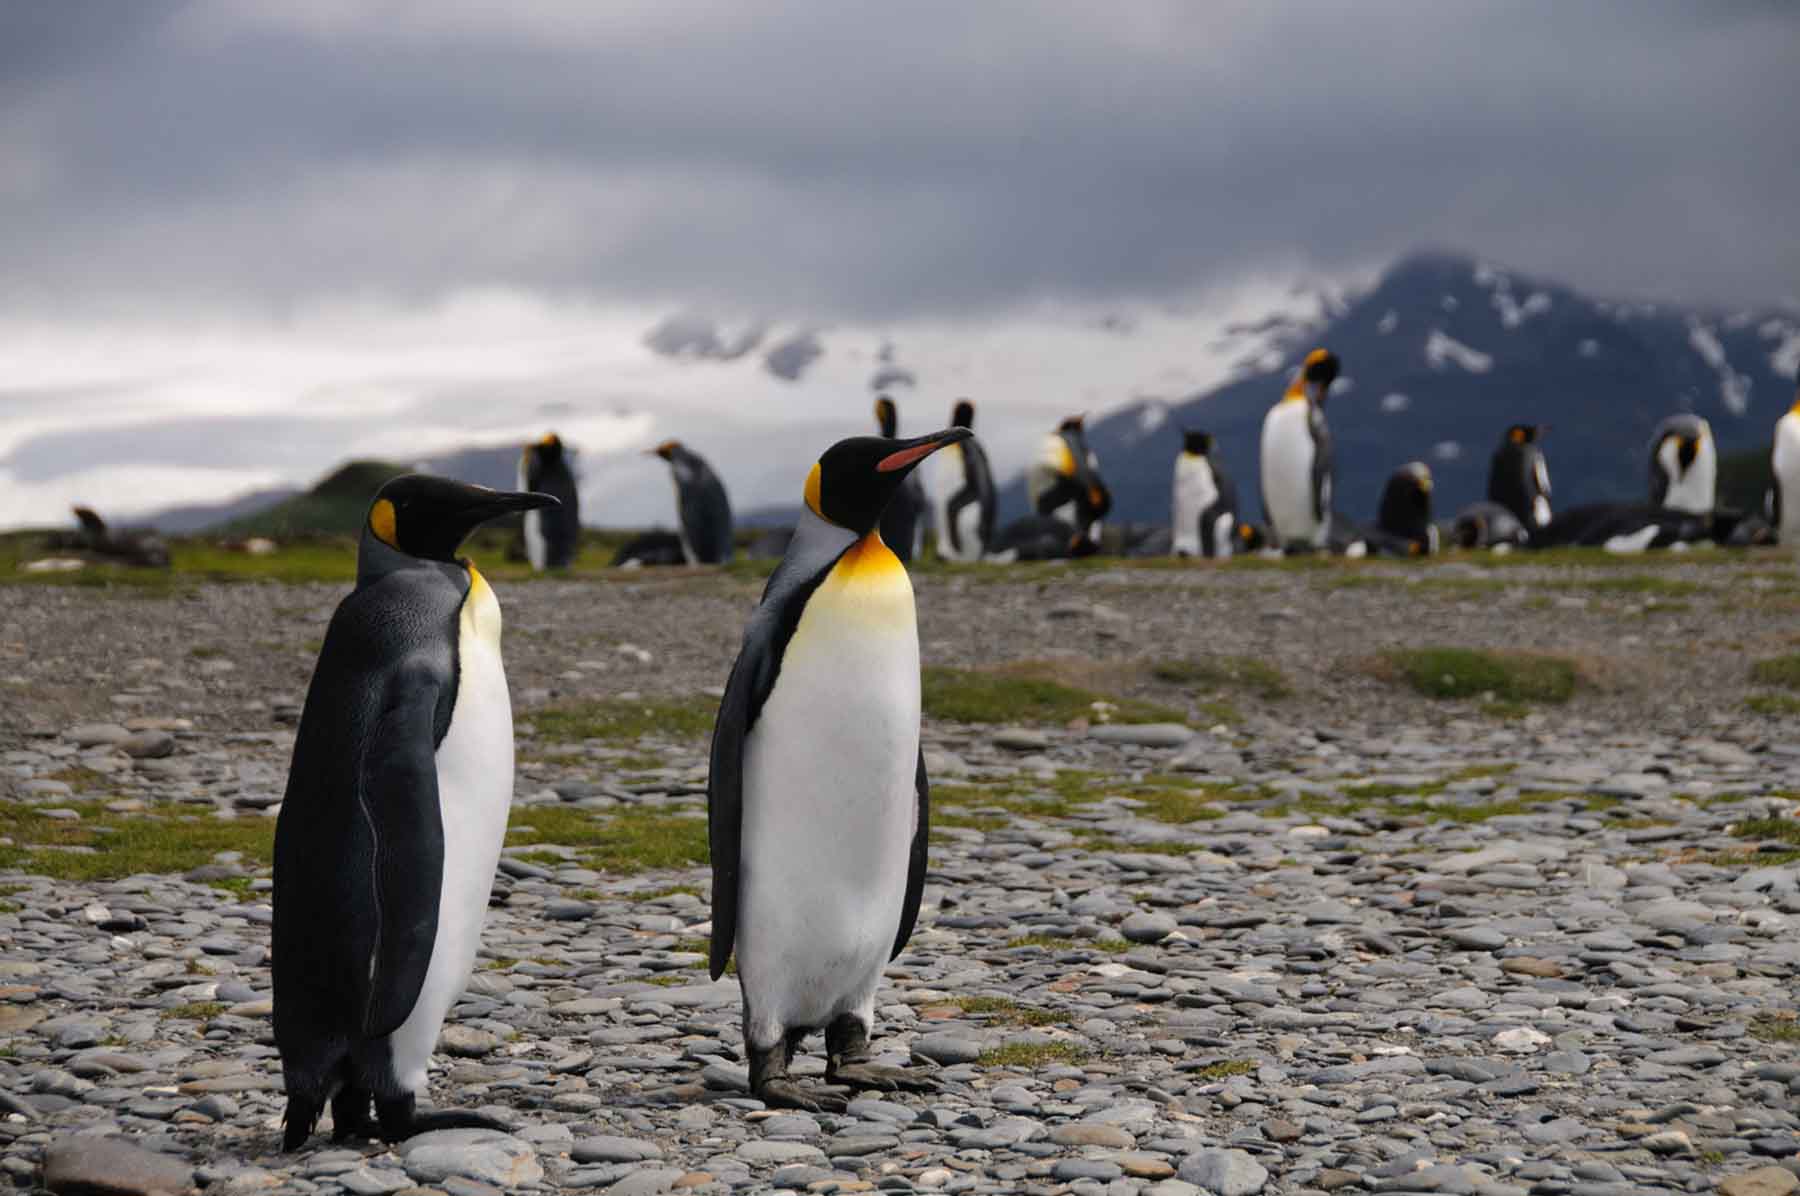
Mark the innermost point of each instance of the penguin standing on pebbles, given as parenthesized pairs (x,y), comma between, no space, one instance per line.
(966,502)
(903,526)
(817,800)
(551,536)
(1205,501)
(700,505)
(1296,458)
(395,811)
(1783,500)
(1518,478)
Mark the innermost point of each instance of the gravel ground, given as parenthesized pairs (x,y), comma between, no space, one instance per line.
(1404,946)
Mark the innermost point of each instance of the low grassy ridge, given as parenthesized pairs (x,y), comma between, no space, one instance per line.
(622,720)
(623,842)
(1029,692)
(1256,677)
(1779,672)
(1509,678)
(1173,800)
(1778,842)
(101,845)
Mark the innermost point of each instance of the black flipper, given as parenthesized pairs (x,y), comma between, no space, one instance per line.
(398,798)
(1321,465)
(752,680)
(1773,502)
(916,863)
(958,501)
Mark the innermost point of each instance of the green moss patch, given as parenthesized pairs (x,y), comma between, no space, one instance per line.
(1781,672)
(617,719)
(621,842)
(111,846)
(1004,1011)
(1256,677)
(1509,677)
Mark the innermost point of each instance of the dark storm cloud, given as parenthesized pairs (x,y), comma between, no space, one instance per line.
(820,161)
(696,336)
(791,358)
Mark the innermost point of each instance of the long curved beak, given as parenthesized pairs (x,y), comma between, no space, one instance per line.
(911,452)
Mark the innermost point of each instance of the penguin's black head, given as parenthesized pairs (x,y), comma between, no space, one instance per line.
(429,517)
(667,450)
(887,418)
(1073,425)
(964,414)
(1525,433)
(1198,443)
(1318,372)
(550,448)
(852,483)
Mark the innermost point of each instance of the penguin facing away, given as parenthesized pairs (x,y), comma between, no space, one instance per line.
(1783,501)
(1296,458)
(1684,466)
(703,510)
(903,525)
(817,799)
(1204,501)
(966,502)
(393,818)
(552,536)
(1518,478)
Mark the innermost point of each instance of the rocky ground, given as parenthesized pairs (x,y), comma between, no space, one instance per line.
(1339,935)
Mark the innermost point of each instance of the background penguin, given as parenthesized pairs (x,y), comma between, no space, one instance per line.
(701,505)
(1204,517)
(903,526)
(1488,525)
(1684,466)
(551,536)
(1518,478)
(1065,487)
(394,815)
(1784,470)
(817,800)
(650,548)
(966,502)
(1403,525)
(1296,458)
(1626,528)
(144,548)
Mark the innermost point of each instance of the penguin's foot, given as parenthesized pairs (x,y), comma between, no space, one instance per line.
(350,1115)
(298,1122)
(401,1120)
(880,1076)
(780,1092)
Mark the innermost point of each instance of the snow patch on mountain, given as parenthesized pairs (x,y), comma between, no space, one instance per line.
(1394,403)
(1734,388)
(1440,349)
(1389,322)
(1785,359)
(1512,312)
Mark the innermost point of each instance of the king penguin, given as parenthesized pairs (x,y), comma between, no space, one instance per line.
(394,815)
(1783,500)
(1403,525)
(1205,501)
(553,535)
(903,525)
(966,502)
(1296,458)
(1518,478)
(1064,483)
(817,801)
(700,505)
(1684,466)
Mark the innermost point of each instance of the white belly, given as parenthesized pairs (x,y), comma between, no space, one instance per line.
(1224,526)
(1194,491)
(475,780)
(535,550)
(1287,461)
(1786,464)
(829,808)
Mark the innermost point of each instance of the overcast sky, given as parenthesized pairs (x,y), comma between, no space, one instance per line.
(241,241)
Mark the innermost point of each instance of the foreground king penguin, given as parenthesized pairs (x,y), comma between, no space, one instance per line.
(394,816)
(817,801)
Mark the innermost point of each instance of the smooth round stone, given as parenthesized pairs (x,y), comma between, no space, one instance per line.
(607,1149)
(946,1049)
(1147,927)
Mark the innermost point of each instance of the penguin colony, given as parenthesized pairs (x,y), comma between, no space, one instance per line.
(818,801)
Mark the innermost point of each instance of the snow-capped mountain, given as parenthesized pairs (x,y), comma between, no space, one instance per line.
(1441,354)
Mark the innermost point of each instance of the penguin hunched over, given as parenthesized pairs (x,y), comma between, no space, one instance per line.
(701,507)
(817,801)
(965,499)
(1684,466)
(903,525)
(1296,458)
(1518,478)
(1403,525)
(552,536)
(1204,506)
(1068,500)
(394,815)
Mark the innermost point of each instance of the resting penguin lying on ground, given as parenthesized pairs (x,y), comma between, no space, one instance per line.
(817,800)
(395,811)
(1488,525)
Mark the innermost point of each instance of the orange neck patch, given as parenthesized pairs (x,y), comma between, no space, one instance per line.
(868,560)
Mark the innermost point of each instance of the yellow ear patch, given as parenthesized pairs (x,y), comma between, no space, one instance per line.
(814,502)
(383,523)
(1065,463)
(1518,435)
